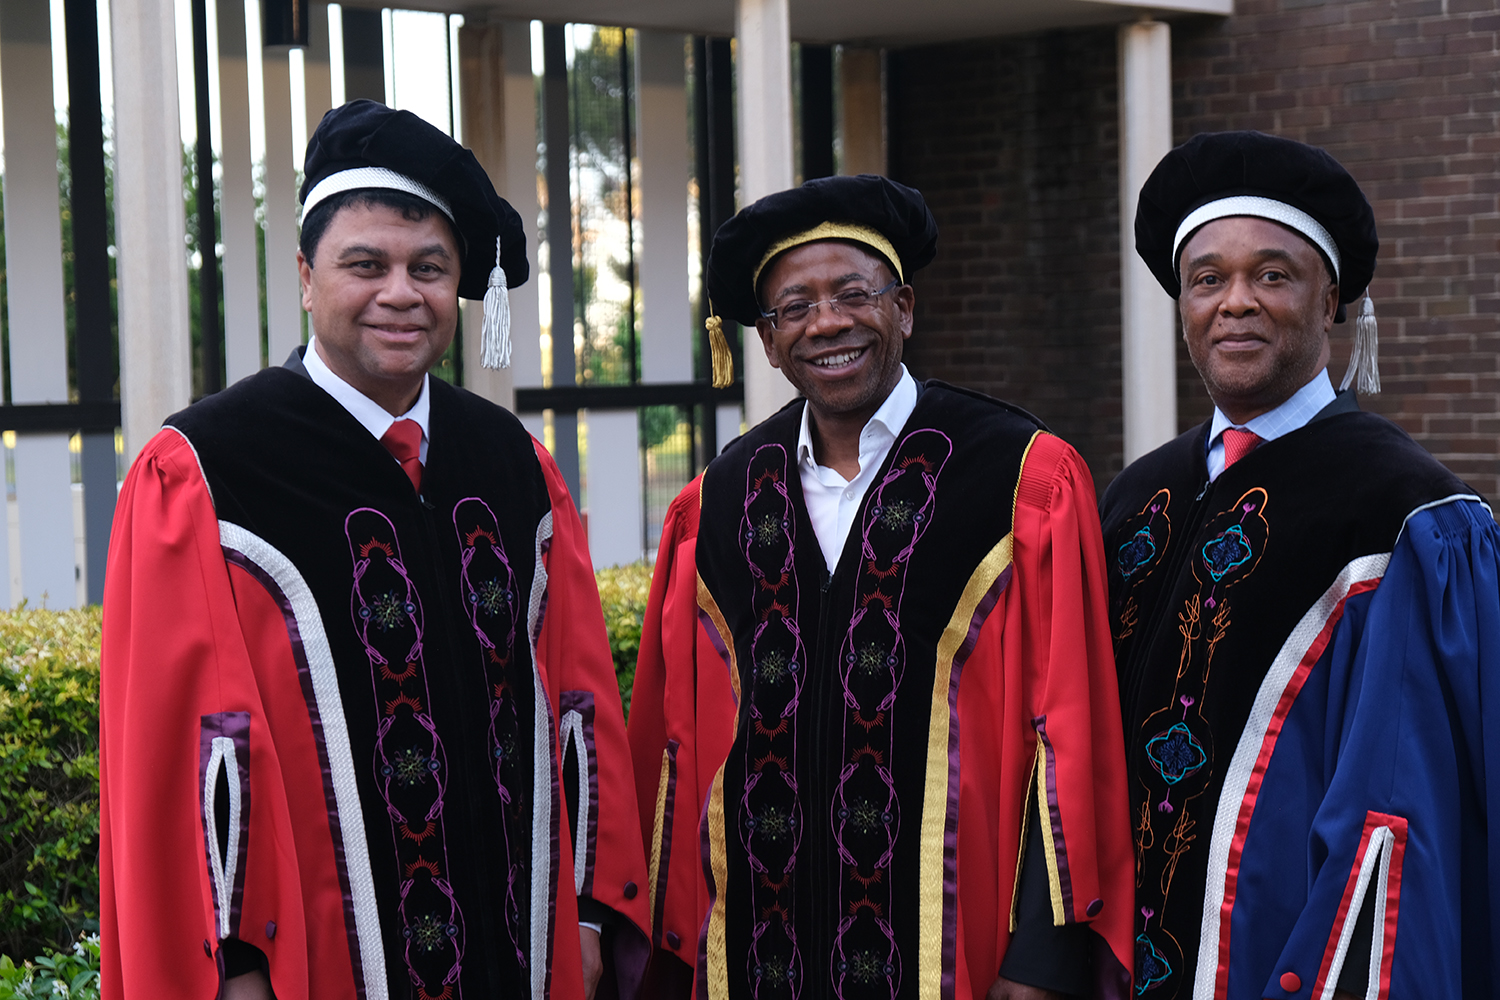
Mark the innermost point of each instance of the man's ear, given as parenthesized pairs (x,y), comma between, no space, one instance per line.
(1330,306)
(767,333)
(304,278)
(906,300)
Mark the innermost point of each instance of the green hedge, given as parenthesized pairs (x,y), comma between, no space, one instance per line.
(49,779)
(622,592)
(72,974)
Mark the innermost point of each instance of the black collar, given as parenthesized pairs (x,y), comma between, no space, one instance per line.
(294,363)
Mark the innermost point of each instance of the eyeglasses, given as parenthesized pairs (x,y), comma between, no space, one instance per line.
(795,315)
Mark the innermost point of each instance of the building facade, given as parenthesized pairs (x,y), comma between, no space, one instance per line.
(1014,142)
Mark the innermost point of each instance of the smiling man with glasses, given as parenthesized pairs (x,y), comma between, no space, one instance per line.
(820,592)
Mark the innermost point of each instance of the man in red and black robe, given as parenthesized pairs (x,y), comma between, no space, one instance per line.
(361,731)
(874,736)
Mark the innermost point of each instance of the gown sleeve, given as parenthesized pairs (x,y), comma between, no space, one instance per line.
(1402,831)
(1056,637)
(603,851)
(682,719)
(168,622)
(206,755)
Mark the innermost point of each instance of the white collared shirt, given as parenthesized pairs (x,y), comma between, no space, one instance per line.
(832,500)
(1289,416)
(371,415)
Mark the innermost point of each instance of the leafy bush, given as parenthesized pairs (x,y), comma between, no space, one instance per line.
(622,592)
(73,974)
(49,778)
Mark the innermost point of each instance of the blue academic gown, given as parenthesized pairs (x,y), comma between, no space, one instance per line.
(1377,790)
(1310,748)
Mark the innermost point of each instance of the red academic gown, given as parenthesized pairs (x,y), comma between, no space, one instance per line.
(1033,721)
(226,661)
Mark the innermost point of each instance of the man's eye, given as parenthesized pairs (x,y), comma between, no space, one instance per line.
(795,310)
(854,298)
(1275,275)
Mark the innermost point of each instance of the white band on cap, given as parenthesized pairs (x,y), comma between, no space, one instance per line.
(1262,208)
(372,177)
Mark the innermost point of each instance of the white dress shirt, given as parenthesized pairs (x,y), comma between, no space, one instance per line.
(1289,416)
(832,500)
(371,415)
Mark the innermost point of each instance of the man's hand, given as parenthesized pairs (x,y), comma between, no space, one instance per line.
(593,961)
(250,986)
(1004,989)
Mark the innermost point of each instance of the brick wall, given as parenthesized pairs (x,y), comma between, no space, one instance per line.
(1406,94)
(1013,144)
(1023,301)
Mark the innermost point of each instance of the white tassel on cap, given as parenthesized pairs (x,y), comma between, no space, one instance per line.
(1364,360)
(494,336)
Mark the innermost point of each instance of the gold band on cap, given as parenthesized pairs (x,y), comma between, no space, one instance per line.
(832,231)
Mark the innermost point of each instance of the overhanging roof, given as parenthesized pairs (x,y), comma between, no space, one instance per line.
(883,22)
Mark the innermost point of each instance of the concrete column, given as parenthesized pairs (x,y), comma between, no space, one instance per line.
(283,292)
(237,226)
(44,505)
(764,90)
(662,127)
(151,266)
(1148,330)
(521,191)
(727,418)
(33,227)
(317,76)
(34,282)
(614,479)
(481,105)
(861,111)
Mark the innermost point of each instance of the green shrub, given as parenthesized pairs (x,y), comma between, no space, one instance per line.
(49,778)
(73,974)
(622,592)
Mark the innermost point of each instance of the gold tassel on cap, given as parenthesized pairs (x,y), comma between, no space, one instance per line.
(718,347)
(1364,359)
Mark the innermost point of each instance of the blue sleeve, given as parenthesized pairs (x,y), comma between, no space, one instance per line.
(1403,826)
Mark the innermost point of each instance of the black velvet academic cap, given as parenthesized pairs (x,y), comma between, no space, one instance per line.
(887,218)
(1254,168)
(407,154)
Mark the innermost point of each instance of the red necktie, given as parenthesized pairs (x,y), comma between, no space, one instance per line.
(404,441)
(1237,444)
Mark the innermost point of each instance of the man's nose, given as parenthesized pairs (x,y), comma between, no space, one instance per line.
(399,290)
(1239,298)
(827,320)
